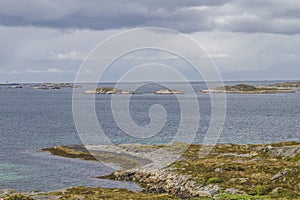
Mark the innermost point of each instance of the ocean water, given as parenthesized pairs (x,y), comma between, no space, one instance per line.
(35,119)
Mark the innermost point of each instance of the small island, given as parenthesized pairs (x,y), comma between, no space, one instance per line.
(250,89)
(15,86)
(53,86)
(168,91)
(108,90)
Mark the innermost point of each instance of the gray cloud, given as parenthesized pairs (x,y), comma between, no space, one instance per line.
(269,16)
(34,54)
(34,47)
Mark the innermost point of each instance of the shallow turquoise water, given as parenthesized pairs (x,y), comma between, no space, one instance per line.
(8,172)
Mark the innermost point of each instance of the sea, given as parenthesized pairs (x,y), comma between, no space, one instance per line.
(33,119)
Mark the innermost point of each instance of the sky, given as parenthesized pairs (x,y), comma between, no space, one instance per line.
(47,40)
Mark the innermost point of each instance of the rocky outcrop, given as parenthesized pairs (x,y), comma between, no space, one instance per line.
(292,151)
(280,175)
(5,192)
(235,191)
(16,86)
(168,91)
(108,90)
(165,181)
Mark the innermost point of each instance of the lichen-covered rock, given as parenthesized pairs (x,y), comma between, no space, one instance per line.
(218,170)
(276,190)
(279,175)
(164,181)
(235,191)
(290,151)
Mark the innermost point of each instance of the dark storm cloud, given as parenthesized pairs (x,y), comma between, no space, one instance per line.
(269,16)
(99,15)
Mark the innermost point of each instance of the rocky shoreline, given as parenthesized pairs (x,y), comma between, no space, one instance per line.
(165,181)
(181,179)
(229,171)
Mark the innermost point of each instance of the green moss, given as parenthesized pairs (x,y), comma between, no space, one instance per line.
(17,197)
(76,193)
(112,194)
(263,190)
(213,180)
(243,168)
(282,192)
(225,196)
(295,158)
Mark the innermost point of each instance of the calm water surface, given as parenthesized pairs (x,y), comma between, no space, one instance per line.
(34,119)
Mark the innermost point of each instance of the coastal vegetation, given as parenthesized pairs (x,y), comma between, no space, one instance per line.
(86,193)
(229,171)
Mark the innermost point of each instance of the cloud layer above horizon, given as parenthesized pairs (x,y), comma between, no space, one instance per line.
(268,16)
(45,40)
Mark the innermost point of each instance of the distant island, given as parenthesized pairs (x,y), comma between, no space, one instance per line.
(15,86)
(287,87)
(168,91)
(284,87)
(108,90)
(42,86)
(112,90)
(53,86)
